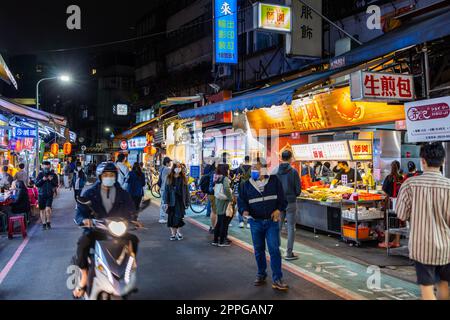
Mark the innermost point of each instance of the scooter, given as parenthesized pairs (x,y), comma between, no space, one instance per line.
(112,262)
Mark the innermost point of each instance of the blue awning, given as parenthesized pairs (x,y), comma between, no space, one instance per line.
(414,33)
(266,97)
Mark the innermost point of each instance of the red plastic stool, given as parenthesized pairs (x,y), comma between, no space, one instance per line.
(23,227)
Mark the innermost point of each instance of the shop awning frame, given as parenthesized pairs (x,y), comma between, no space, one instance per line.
(136,130)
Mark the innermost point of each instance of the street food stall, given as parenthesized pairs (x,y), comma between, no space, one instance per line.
(345,208)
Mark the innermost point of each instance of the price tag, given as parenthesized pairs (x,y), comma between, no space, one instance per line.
(344,179)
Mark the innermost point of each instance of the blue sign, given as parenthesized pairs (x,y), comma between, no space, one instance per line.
(225,32)
(194,172)
(24,133)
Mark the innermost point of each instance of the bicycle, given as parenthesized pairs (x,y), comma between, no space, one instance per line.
(199,200)
(152,185)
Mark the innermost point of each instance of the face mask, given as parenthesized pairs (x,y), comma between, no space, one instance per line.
(255,174)
(46,169)
(108,182)
(177,170)
(79,168)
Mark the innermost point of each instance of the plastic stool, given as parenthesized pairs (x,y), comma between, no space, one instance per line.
(11,222)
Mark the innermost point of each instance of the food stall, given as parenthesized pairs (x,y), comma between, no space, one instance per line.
(346,209)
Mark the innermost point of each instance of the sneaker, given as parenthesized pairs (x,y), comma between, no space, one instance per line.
(290,257)
(211,230)
(280,285)
(173,238)
(49,226)
(259,281)
(224,244)
(44,226)
(215,244)
(228,240)
(230,225)
(241,225)
(179,236)
(162,221)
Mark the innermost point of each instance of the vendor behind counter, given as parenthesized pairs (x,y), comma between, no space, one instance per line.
(344,169)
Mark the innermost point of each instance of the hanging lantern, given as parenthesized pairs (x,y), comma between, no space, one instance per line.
(54,148)
(152,151)
(67,148)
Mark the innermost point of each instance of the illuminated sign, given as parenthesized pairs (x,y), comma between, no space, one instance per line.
(375,86)
(272,17)
(24,133)
(137,143)
(428,120)
(345,150)
(225,32)
(121,109)
(324,111)
(361,150)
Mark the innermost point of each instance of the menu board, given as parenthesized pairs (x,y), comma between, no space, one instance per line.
(327,151)
(345,150)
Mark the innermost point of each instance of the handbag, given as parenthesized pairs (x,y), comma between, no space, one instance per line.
(230,210)
(219,191)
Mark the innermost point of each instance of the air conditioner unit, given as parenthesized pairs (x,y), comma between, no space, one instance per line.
(224,71)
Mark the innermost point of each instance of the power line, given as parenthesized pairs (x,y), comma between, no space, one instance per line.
(143,37)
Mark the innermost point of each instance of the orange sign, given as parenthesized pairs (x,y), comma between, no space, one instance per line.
(324,111)
(67,148)
(361,150)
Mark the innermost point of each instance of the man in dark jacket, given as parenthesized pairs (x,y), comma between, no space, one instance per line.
(262,200)
(107,199)
(291,185)
(46,182)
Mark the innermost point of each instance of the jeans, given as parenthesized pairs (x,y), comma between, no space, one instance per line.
(290,216)
(208,209)
(162,213)
(267,231)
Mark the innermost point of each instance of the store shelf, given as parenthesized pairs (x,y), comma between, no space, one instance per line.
(362,219)
(360,202)
(400,231)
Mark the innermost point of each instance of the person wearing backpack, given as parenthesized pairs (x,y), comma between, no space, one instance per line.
(223,198)
(162,181)
(290,180)
(204,185)
(244,171)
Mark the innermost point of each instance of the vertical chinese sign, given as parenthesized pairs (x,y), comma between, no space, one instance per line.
(306,37)
(225,32)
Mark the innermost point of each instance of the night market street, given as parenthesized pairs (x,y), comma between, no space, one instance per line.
(193,270)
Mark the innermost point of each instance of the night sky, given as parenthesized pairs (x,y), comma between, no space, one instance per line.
(36,26)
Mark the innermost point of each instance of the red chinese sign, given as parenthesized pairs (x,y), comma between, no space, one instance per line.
(373,86)
(361,150)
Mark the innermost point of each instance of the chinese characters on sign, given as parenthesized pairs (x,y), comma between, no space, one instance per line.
(137,143)
(24,133)
(225,32)
(306,36)
(361,150)
(428,120)
(381,86)
(336,150)
(272,17)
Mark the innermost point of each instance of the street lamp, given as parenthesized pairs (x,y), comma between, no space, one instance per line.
(107,129)
(62,78)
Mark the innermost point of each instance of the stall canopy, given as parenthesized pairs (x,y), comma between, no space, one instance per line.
(415,32)
(266,97)
(5,74)
(179,100)
(136,130)
(15,108)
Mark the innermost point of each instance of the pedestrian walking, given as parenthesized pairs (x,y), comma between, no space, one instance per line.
(123,170)
(223,198)
(424,201)
(175,200)
(46,181)
(22,174)
(135,186)
(79,180)
(290,180)
(66,172)
(162,181)
(262,200)
(244,174)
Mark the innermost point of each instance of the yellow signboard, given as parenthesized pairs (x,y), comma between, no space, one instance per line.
(273,17)
(361,150)
(324,111)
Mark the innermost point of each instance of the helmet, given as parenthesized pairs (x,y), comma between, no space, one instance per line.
(106,167)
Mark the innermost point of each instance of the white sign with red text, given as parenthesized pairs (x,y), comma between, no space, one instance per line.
(428,120)
(336,150)
(376,86)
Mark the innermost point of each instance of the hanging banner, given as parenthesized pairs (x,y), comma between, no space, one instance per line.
(306,36)
(24,133)
(272,17)
(225,32)
(428,120)
(376,86)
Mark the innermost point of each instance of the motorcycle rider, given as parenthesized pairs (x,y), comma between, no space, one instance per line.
(107,199)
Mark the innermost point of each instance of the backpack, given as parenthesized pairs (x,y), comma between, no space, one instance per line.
(219,191)
(204,183)
(159,182)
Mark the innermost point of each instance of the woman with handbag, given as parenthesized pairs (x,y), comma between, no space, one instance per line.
(175,200)
(224,206)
